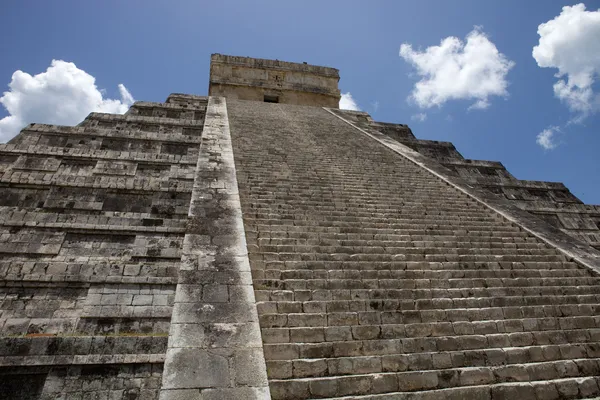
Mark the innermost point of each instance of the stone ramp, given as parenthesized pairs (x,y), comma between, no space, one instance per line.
(375,279)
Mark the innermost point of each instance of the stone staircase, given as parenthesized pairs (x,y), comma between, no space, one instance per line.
(375,279)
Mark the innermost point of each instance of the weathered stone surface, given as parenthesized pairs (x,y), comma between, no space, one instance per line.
(205,248)
(275,81)
(214,319)
(194,368)
(91,225)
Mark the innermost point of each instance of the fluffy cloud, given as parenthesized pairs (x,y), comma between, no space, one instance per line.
(419,117)
(347,102)
(63,95)
(546,138)
(471,70)
(571,43)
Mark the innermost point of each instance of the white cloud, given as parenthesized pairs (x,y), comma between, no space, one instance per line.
(63,95)
(479,105)
(419,117)
(375,105)
(347,102)
(546,138)
(471,70)
(571,43)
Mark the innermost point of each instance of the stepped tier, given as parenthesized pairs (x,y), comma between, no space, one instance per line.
(92,221)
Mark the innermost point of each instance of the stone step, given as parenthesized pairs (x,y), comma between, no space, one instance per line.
(422,202)
(380,304)
(301,219)
(356,242)
(395,207)
(384,224)
(360,207)
(283,232)
(422,206)
(421,265)
(499,248)
(378,254)
(383,387)
(504,332)
(379,257)
(317,319)
(279,303)
(505,363)
(306,205)
(438,296)
(419,345)
(272,272)
(359,190)
(362,274)
(347,183)
(467,283)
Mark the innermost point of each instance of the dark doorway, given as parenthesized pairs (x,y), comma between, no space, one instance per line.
(271,99)
(23,387)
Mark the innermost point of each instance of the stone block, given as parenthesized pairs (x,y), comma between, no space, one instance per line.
(323,388)
(567,388)
(257,393)
(476,376)
(352,385)
(289,389)
(279,369)
(215,293)
(410,381)
(177,394)
(221,312)
(195,368)
(545,390)
(249,367)
(511,391)
(384,383)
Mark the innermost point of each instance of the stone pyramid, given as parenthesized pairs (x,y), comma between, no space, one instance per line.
(261,243)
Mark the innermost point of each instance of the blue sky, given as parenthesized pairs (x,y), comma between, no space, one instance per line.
(155,48)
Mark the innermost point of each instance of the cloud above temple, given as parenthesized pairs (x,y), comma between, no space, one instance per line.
(420,117)
(62,95)
(571,43)
(547,138)
(471,70)
(347,102)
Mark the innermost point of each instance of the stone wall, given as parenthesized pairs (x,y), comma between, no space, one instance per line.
(291,83)
(92,222)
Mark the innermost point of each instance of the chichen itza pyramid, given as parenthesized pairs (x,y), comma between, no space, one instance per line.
(262,243)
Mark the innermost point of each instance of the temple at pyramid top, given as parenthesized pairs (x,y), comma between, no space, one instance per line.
(273,81)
